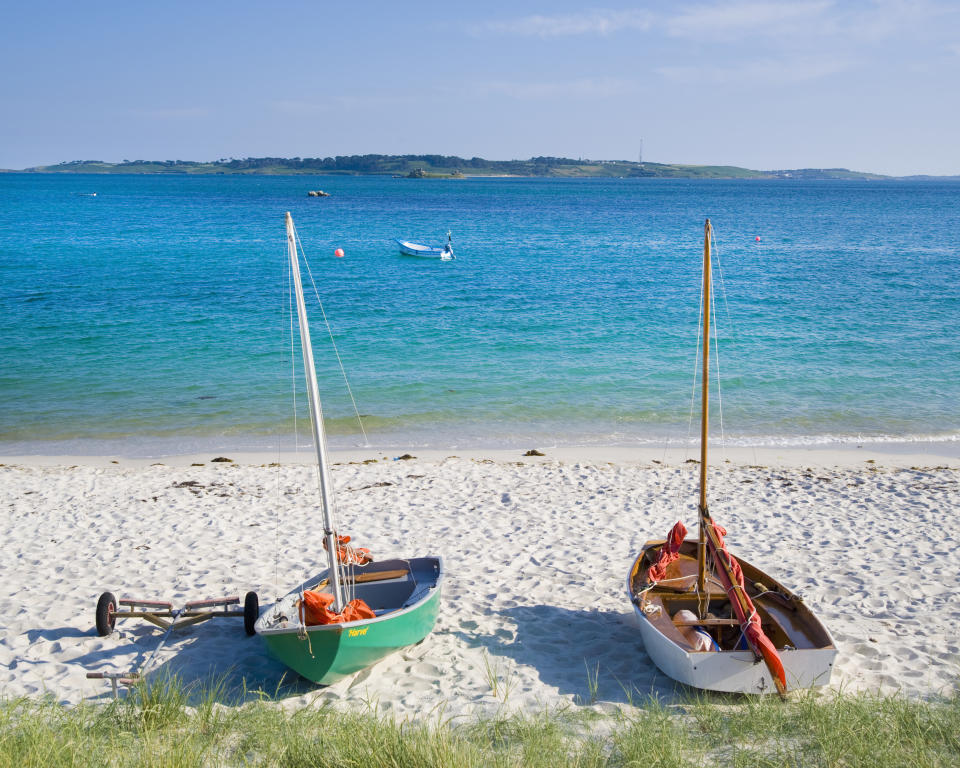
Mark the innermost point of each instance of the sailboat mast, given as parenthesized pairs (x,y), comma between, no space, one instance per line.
(316,422)
(704,408)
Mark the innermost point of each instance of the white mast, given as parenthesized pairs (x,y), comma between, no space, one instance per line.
(316,421)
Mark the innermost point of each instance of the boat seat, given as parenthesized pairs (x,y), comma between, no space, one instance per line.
(362,578)
(708,623)
(366,578)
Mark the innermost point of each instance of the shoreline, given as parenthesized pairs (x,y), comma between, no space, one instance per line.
(892,455)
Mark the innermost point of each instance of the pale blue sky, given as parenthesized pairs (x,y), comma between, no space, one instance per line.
(870,85)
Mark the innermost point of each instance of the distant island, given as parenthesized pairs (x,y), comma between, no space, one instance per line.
(448,167)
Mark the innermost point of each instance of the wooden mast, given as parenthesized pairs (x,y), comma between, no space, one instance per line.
(316,422)
(771,658)
(704,408)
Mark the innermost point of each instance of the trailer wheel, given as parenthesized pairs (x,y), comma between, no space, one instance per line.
(251,612)
(106,614)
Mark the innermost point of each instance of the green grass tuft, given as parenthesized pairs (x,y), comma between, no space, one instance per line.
(156,726)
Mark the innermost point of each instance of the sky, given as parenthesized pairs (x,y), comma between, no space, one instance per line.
(870,85)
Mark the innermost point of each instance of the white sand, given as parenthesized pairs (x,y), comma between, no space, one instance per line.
(536,552)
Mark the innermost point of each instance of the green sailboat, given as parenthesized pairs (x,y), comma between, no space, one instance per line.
(399,598)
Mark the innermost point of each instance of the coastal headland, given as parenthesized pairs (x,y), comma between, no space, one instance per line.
(446,166)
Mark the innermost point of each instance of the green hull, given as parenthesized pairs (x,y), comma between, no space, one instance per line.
(331,652)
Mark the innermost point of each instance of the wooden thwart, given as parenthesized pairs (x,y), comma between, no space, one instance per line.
(707,623)
(362,578)
(366,578)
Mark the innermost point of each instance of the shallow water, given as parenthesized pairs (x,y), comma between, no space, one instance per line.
(150,318)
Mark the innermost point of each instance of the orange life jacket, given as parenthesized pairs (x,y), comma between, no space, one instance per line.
(350,555)
(315,609)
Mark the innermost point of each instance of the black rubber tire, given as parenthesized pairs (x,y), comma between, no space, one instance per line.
(106,614)
(251,612)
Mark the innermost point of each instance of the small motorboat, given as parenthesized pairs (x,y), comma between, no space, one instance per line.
(428,251)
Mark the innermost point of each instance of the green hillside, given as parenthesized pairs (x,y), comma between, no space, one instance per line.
(444,166)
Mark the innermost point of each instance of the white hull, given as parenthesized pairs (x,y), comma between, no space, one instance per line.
(425,251)
(806,647)
(733,671)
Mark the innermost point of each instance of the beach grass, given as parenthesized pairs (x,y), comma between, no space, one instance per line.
(173,725)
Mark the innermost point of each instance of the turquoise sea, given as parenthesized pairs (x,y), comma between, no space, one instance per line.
(149,319)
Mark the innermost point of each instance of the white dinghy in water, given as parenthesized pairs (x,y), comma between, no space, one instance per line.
(444,253)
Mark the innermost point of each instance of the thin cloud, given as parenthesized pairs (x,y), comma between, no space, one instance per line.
(886,19)
(761,71)
(809,21)
(706,22)
(580,88)
(597,22)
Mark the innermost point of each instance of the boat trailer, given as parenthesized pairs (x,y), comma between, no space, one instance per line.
(163,615)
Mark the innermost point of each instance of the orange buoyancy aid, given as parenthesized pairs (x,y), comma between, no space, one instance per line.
(315,609)
(350,555)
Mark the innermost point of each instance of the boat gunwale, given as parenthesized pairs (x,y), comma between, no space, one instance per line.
(688,665)
(811,620)
(418,246)
(408,248)
(432,591)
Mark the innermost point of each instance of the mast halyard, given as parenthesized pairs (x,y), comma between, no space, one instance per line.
(704,409)
(316,422)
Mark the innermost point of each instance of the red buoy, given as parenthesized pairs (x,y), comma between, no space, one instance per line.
(339,252)
(758,238)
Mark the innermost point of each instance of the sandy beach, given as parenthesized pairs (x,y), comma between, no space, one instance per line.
(536,551)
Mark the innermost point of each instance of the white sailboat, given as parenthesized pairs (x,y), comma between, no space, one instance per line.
(713,621)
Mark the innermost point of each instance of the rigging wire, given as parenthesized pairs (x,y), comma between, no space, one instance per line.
(285,312)
(730,336)
(716,356)
(345,569)
(696,369)
(293,360)
(723,285)
(304,575)
(336,351)
(679,495)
